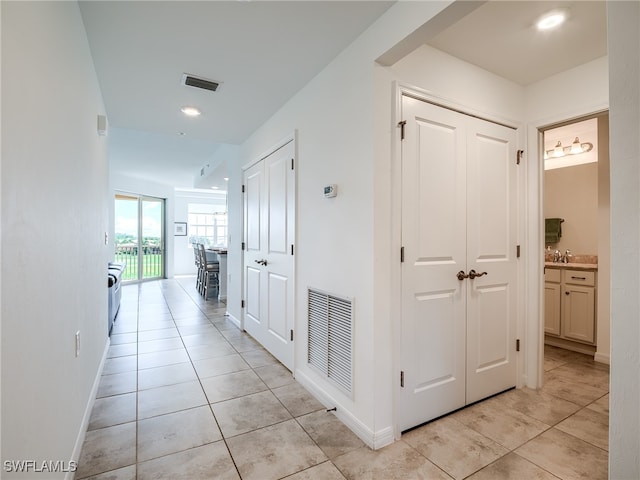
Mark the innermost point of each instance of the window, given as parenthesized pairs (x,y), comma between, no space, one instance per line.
(206,226)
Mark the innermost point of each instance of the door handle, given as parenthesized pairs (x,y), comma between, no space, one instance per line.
(473,274)
(461,275)
(261,262)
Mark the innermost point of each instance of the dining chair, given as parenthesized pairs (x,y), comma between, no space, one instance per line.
(210,272)
(196,254)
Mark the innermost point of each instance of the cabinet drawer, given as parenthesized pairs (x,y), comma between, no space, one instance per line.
(579,277)
(552,275)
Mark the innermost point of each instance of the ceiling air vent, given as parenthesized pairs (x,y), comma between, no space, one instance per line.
(199,82)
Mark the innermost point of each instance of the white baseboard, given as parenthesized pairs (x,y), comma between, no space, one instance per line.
(77,449)
(602,358)
(374,439)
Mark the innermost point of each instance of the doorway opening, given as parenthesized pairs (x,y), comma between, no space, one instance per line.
(577,245)
(140,236)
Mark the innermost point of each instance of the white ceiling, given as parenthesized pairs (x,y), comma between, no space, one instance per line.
(500,36)
(263,52)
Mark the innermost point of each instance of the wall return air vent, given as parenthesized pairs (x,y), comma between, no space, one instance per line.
(199,82)
(330,347)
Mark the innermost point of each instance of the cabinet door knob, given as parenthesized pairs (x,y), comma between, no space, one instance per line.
(567,293)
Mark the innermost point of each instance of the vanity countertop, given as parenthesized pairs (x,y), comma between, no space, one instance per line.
(572,266)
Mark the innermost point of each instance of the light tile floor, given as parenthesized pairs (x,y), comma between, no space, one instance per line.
(186,395)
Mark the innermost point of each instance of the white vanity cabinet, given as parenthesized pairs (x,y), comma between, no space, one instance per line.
(578,312)
(570,306)
(552,281)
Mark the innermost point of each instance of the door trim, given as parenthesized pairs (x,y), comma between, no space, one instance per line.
(534,236)
(400,90)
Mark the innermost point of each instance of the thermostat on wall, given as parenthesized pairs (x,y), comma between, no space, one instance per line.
(330,191)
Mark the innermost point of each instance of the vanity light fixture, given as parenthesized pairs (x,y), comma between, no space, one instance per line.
(190,111)
(551,20)
(576,148)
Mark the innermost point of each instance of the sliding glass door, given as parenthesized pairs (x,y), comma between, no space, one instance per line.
(140,236)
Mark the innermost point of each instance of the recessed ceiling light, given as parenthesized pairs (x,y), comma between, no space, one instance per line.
(182,134)
(551,20)
(226,179)
(190,111)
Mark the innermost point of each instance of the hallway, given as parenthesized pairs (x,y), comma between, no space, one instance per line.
(185,394)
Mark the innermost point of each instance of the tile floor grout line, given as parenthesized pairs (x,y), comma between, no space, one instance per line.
(223,438)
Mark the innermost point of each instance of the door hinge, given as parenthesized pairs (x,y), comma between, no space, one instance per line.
(292,335)
(242,188)
(517,251)
(292,163)
(519,156)
(401,254)
(401,378)
(517,345)
(401,125)
(243,246)
(242,306)
(291,249)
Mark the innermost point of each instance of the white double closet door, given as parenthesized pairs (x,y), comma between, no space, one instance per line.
(459,201)
(269,216)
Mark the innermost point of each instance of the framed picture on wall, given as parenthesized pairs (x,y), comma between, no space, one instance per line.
(180,229)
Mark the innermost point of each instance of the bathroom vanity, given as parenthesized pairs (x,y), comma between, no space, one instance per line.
(570,305)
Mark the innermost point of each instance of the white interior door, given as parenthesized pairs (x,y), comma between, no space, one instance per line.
(458,214)
(491,248)
(434,242)
(268,257)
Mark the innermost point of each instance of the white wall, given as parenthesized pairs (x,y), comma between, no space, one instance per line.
(354,233)
(624,76)
(333,117)
(54,218)
(450,78)
(571,193)
(577,92)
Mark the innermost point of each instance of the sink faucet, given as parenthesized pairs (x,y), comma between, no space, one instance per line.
(556,256)
(566,258)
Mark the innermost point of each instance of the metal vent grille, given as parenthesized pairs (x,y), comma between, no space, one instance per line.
(330,326)
(199,82)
